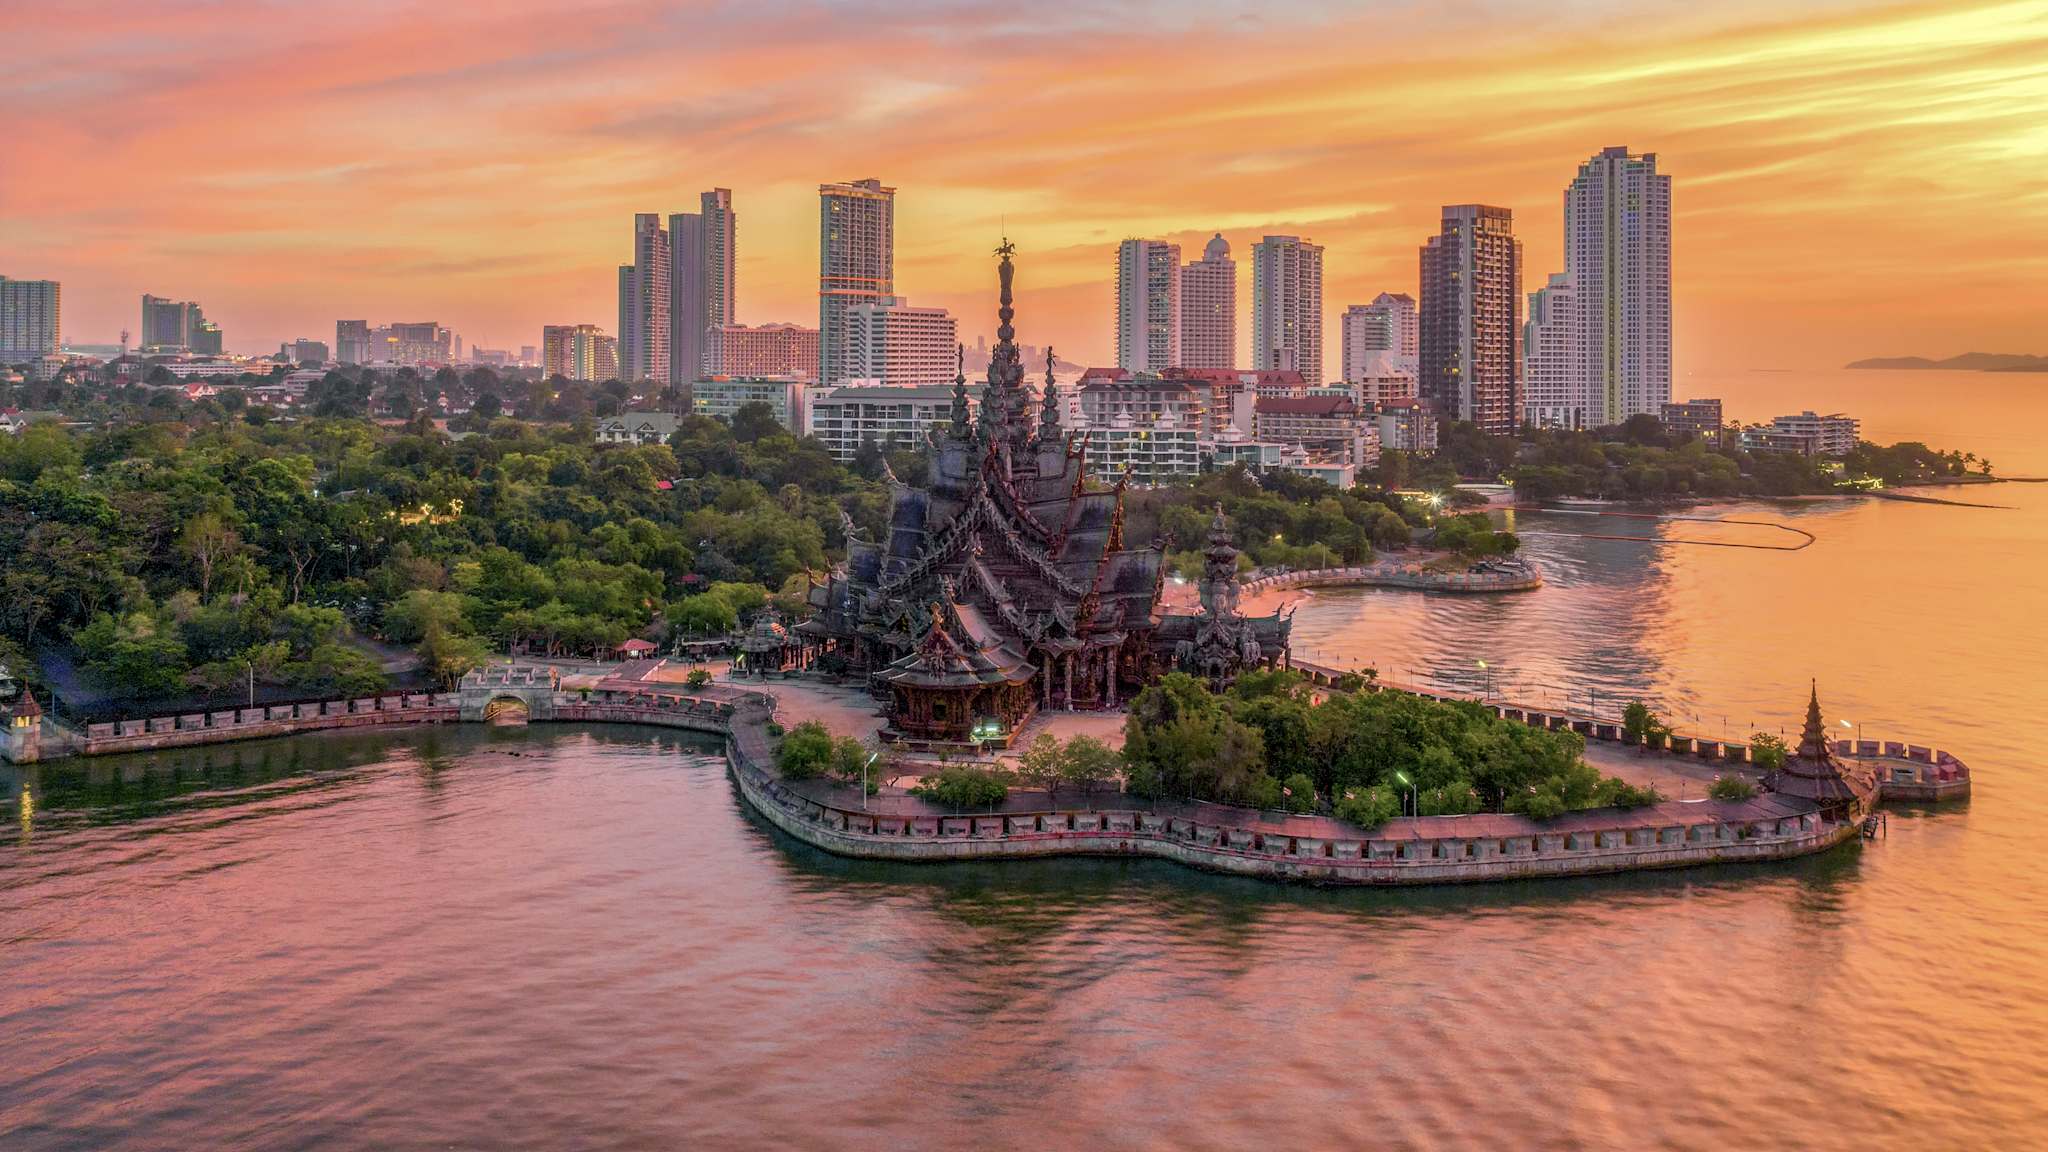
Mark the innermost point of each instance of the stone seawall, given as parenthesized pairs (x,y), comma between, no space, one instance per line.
(1429,850)
(220,727)
(1424,850)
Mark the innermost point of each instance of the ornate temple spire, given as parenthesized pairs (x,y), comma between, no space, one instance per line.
(962,426)
(1008,422)
(1813,742)
(1049,407)
(1219,588)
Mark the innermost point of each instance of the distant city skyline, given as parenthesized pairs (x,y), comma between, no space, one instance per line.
(440,188)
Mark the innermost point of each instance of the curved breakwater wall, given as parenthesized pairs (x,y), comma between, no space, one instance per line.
(1425,850)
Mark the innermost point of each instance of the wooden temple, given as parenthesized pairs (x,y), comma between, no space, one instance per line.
(1003,584)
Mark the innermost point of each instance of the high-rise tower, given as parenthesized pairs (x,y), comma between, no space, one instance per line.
(1617,244)
(1148,305)
(1471,321)
(1208,308)
(856,263)
(1287,306)
(644,303)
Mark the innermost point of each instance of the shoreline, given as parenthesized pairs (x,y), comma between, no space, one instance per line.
(1212,837)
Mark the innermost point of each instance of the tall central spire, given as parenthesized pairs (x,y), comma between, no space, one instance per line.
(1003,403)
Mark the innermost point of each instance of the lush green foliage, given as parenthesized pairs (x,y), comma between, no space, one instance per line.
(1767,751)
(963,787)
(1640,725)
(175,537)
(1731,788)
(1267,742)
(1641,460)
(1082,762)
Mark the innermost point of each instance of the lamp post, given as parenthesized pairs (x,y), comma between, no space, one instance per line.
(1403,778)
(1486,690)
(864,779)
(1858,726)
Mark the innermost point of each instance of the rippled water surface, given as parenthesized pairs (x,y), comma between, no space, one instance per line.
(553,938)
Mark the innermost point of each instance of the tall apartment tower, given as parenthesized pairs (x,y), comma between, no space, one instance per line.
(703,282)
(1382,334)
(352,341)
(1554,358)
(1148,305)
(644,303)
(856,263)
(1208,308)
(1471,321)
(173,323)
(1287,306)
(31,319)
(1617,245)
(689,307)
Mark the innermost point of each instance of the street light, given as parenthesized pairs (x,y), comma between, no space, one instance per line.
(1486,692)
(864,779)
(1403,778)
(1858,726)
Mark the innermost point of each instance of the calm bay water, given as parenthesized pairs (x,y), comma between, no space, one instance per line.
(554,938)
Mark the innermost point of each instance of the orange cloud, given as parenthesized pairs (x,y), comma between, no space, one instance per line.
(1859,179)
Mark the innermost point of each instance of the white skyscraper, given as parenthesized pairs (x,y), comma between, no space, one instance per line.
(856,263)
(1287,306)
(1382,334)
(1148,315)
(888,342)
(1617,243)
(1554,358)
(1208,308)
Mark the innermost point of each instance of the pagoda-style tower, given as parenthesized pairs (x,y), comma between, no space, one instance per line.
(1812,772)
(1003,583)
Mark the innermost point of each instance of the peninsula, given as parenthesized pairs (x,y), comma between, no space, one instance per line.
(1967,362)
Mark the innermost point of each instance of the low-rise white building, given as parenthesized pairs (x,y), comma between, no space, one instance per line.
(1833,435)
(789,397)
(844,418)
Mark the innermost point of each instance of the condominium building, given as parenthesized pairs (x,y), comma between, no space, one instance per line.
(31,319)
(1287,306)
(1617,242)
(304,351)
(1327,425)
(845,418)
(418,344)
(856,264)
(703,282)
(1141,399)
(1404,425)
(176,325)
(1148,316)
(1470,327)
(1381,381)
(1149,453)
(1208,308)
(1833,435)
(1385,331)
(578,352)
(763,350)
(787,397)
(644,302)
(888,342)
(1554,359)
(352,343)
(1701,418)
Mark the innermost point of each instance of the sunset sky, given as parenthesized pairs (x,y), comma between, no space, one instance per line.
(1849,178)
